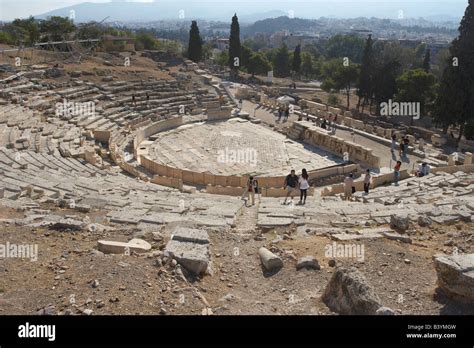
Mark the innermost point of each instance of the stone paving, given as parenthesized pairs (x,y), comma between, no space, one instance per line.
(236,147)
(439,198)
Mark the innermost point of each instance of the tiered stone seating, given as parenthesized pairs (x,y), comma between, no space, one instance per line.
(51,178)
(444,198)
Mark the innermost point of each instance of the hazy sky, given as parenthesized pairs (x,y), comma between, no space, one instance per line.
(10,9)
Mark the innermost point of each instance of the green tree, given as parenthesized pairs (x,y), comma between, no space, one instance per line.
(207,50)
(91,30)
(195,43)
(312,49)
(281,62)
(258,64)
(145,41)
(307,65)
(340,77)
(384,82)
(223,58)
(350,46)
(416,86)
(427,60)
(333,100)
(56,28)
(297,60)
(418,58)
(364,83)
(234,45)
(26,30)
(455,101)
(246,54)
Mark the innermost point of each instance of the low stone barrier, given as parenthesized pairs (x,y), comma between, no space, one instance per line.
(315,136)
(238,191)
(466,168)
(377,181)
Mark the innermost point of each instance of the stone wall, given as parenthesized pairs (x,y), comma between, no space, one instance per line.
(321,138)
(175,177)
(377,181)
(160,126)
(167,181)
(238,191)
(197,178)
(467,168)
(102,136)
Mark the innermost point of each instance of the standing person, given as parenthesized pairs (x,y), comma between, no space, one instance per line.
(280,112)
(304,186)
(406,142)
(401,149)
(397,171)
(147,99)
(394,143)
(323,124)
(241,104)
(421,145)
(367,180)
(287,113)
(134,101)
(250,190)
(291,181)
(348,187)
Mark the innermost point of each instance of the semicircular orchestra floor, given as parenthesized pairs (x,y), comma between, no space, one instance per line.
(235,147)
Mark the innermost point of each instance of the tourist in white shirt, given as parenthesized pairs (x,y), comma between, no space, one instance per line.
(304,186)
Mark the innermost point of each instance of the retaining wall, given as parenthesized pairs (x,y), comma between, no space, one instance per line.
(319,137)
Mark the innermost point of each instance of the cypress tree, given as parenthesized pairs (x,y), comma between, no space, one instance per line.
(234,45)
(366,76)
(195,43)
(297,60)
(427,61)
(455,101)
(281,63)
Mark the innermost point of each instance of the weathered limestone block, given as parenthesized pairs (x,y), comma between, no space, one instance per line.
(467,158)
(192,256)
(456,275)
(308,262)
(270,261)
(349,293)
(135,245)
(437,140)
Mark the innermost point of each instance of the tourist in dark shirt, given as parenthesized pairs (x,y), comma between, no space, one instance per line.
(291,185)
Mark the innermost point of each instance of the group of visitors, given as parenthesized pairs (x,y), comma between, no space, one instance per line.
(404,143)
(134,99)
(283,111)
(349,185)
(293,183)
(329,125)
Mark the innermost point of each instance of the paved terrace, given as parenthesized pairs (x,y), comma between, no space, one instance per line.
(210,147)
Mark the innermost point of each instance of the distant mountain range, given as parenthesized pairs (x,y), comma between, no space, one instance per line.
(159,10)
(251,11)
